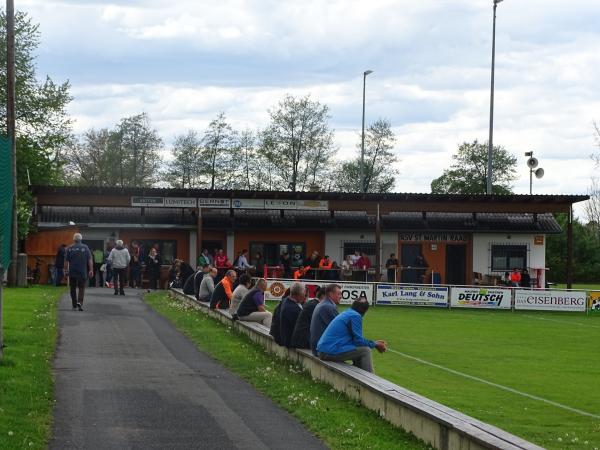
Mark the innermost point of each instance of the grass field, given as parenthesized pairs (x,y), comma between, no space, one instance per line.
(551,356)
(26,386)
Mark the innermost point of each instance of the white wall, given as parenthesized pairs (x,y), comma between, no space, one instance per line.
(482,258)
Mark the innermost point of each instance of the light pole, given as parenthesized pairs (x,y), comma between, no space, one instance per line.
(491,138)
(362,145)
(532,163)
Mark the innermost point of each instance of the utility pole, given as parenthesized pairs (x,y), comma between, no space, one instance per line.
(362,143)
(491,137)
(10,129)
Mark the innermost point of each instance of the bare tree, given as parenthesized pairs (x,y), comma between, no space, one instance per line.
(184,171)
(219,154)
(592,207)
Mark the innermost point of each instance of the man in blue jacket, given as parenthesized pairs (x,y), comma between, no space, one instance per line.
(343,339)
(324,313)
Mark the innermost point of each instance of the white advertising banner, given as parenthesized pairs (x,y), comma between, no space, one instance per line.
(475,297)
(214,203)
(550,300)
(315,205)
(248,203)
(180,202)
(147,201)
(394,294)
(280,204)
(350,291)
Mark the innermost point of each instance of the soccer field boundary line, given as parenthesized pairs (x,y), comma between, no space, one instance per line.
(560,321)
(496,385)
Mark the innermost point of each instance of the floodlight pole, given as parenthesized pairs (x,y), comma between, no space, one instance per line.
(10,131)
(362,144)
(491,137)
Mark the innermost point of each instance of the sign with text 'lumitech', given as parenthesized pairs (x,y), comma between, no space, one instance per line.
(394,294)
(350,291)
(180,202)
(463,297)
(550,300)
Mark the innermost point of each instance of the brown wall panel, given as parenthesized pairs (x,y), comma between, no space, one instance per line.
(182,238)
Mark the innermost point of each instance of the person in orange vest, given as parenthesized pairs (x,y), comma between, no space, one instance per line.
(300,272)
(325,263)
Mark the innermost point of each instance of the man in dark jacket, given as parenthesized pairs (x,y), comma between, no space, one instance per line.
(324,313)
(290,310)
(79,267)
(301,334)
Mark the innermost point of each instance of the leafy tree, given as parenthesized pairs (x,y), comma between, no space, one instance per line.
(592,207)
(468,173)
(298,143)
(379,170)
(43,126)
(184,171)
(126,156)
(254,168)
(219,159)
(586,253)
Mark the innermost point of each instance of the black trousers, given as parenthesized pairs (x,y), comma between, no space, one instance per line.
(76,283)
(119,279)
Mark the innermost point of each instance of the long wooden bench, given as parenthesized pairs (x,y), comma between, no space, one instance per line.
(442,427)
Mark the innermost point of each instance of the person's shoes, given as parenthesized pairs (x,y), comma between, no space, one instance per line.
(116,293)
(122,293)
(74,307)
(235,317)
(79,307)
(107,284)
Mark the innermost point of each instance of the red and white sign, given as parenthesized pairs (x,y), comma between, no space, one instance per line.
(550,300)
(350,291)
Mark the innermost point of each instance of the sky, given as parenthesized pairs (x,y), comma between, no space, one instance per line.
(184,62)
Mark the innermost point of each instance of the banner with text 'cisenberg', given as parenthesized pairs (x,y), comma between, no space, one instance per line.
(476,297)
(550,300)
(394,294)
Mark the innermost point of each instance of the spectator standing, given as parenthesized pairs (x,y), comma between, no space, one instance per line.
(290,310)
(421,267)
(207,285)
(363,262)
(515,278)
(354,258)
(242,261)
(286,264)
(252,307)
(245,282)
(79,266)
(221,260)
(136,265)
(205,258)
(221,296)
(153,269)
(301,334)
(119,259)
(98,257)
(525,279)
(108,273)
(325,266)
(343,339)
(259,263)
(59,264)
(392,266)
(324,313)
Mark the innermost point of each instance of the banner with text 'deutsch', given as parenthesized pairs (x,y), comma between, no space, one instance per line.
(476,297)
(394,294)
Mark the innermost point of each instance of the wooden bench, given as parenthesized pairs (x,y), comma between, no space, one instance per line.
(442,427)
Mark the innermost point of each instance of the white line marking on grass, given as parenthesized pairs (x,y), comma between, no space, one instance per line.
(496,385)
(561,321)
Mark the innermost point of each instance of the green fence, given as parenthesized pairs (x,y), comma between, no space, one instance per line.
(6,199)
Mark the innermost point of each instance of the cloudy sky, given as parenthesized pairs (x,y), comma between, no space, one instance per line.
(183,62)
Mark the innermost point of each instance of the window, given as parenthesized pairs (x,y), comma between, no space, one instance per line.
(366,247)
(167,250)
(507,257)
(272,251)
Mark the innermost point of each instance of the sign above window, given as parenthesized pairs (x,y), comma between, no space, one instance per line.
(236,203)
(433,237)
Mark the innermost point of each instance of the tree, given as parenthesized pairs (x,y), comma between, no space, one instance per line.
(592,207)
(468,173)
(219,148)
(298,143)
(184,171)
(379,170)
(126,156)
(43,126)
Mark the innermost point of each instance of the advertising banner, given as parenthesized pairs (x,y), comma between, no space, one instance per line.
(247,203)
(214,202)
(180,202)
(394,294)
(550,300)
(350,291)
(147,201)
(476,297)
(594,302)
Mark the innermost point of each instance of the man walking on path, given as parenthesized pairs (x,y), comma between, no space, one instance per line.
(343,339)
(119,259)
(79,266)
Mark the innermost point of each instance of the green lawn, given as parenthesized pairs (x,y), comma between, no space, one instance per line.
(26,386)
(340,422)
(553,356)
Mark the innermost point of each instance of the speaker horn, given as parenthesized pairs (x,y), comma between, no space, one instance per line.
(532,163)
(539,173)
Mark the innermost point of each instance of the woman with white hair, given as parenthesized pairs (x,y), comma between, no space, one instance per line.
(119,258)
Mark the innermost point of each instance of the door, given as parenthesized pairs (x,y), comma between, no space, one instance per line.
(456,264)
(408,255)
